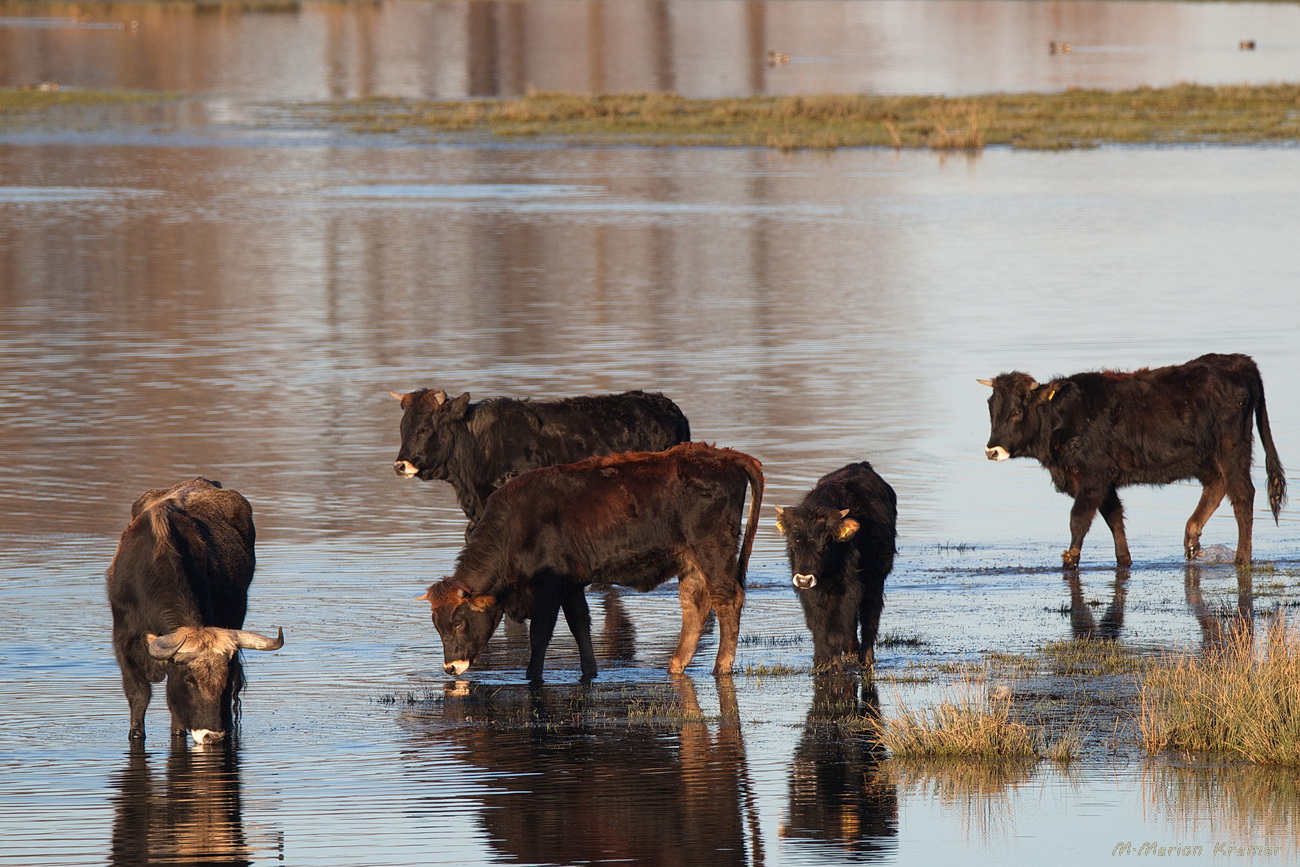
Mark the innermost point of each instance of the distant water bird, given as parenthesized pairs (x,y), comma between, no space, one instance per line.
(776,58)
(1059,48)
(44,85)
(1246,45)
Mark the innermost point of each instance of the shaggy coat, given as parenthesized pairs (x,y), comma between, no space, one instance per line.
(478,447)
(634,519)
(1098,432)
(178,590)
(840,539)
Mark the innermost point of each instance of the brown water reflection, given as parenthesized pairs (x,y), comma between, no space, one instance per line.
(843,803)
(190,814)
(318,49)
(587,774)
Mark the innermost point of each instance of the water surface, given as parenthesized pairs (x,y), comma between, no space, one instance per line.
(240,306)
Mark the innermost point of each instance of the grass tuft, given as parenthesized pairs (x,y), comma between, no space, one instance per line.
(1240,698)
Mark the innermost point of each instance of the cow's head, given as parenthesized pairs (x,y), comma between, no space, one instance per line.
(465,621)
(203,675)
(1018,421)
(429,421)
(814,536)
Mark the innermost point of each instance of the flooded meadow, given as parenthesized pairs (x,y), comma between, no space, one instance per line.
(212,288)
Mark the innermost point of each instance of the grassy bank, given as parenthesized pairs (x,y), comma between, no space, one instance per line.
(1073,119)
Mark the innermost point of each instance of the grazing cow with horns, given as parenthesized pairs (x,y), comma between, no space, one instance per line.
(477,447)
(178,589)
(1098,432)
(840,540)
(634,519)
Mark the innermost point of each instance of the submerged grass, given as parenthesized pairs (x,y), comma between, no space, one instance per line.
(1241,698)
(1072,119)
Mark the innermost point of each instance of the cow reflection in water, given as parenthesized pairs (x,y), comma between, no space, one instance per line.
(841,801)
(1221,626)
(582,780)
(193,816)
(1083,623)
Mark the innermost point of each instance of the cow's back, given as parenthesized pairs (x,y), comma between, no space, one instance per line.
(190,550)
(620,519)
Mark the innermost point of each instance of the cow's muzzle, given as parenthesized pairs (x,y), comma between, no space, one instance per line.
(206,736)
(405,469)
(456,668)
(805,582)
(996,453)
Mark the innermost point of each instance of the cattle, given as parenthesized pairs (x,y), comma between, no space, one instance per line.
(840,539)
(1100,431)
(477,447)
(635,519)
(178,590)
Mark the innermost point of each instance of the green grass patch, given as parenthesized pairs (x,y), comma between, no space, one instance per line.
(1074,118)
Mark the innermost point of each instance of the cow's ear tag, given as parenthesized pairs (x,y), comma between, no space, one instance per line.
(1051,394)
(846,529)
(780,523)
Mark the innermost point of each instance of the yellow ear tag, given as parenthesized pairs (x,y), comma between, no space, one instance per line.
(1051,394)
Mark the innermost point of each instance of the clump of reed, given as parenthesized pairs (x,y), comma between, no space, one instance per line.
(975,725)
(1241,698)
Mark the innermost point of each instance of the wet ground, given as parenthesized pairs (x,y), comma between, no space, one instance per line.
(202,293)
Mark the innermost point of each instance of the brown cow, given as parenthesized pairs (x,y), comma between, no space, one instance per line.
(635,519)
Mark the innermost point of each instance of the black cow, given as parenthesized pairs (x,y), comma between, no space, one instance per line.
(634,519)
(178,588)
(1098,432)
(840,540)
(477,447)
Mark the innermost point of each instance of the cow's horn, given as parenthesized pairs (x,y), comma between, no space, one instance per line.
(395,396)
(440,397)
(253,641)
(987,382)
(164,646)
(1033,384)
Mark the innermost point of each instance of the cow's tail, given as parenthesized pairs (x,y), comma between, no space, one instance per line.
(1272,463)
(754,470)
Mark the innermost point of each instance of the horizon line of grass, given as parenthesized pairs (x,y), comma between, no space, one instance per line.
(1074,118)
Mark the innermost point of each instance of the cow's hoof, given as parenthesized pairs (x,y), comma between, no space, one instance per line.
(1070,558)
(136,735)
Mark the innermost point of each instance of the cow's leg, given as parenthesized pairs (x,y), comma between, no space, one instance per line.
(1241,491)
(728,609)
(1081,515)
(869,610)
(1112,512)
(1212,493)
(693,593)
(139,673)
(541,625)
(578,616)
(138,692)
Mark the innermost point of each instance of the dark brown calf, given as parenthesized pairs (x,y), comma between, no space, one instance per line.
(1098,432)
(634,519)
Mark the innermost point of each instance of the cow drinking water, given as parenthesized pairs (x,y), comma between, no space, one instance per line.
(1098,432)
(178,590)
(840,540)
(633,519)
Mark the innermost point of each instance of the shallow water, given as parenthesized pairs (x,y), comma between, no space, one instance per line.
(238,300)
